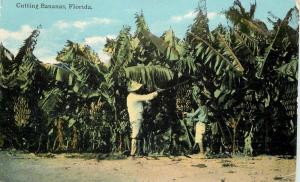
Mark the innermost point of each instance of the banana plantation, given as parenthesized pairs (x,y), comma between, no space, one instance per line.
(246,72)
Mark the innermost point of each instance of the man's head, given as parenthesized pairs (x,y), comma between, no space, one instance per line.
(134,86)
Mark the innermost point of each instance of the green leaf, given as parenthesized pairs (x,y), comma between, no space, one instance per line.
(72,121)
(270,48)
(217,93)
(229,51)
(51,100)
(289,69)
(152,76)
(50,132)
(168,45)
(212,52)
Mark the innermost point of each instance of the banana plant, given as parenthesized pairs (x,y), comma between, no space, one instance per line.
(244,21)
(242,71)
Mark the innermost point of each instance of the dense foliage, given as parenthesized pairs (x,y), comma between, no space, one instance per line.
(245,73)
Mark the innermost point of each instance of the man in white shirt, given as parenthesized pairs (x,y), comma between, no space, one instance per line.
(135,111)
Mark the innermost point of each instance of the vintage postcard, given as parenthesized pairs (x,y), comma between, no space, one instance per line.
(148,90)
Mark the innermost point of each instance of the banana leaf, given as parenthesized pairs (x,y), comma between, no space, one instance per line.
(152,76)
(289,69)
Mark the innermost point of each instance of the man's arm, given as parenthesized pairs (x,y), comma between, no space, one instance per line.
(145,97)
(193,114)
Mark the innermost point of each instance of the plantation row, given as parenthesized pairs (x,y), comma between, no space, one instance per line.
(244,72)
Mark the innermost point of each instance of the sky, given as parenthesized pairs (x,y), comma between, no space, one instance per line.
(106,19)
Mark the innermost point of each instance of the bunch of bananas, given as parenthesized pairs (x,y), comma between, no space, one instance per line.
(96,108)
(22,112)
(183,101)
(289,99)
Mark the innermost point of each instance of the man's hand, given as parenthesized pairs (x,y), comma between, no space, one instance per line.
(155,94)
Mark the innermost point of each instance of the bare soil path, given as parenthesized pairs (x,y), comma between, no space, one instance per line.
(21,167)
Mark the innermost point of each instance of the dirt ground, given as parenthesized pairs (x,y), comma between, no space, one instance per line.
(17,167)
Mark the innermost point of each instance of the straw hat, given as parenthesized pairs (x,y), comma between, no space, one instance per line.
(134,86)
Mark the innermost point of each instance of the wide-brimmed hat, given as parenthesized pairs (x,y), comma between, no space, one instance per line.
(134,86)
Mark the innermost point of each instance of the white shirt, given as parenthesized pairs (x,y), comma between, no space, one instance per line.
(135,105)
